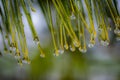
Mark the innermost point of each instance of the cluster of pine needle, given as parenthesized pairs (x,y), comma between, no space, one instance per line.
(69,19)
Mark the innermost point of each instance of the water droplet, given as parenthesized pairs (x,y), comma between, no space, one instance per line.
(104,43)
(92,41)
(17,55)
(20,62)
(83,50)
(90,45)
(33,9)
(72,48)
(56,53)
(66,46)
(42,55)
(109,28)
(26,61)
(117,31)
(61,51)
(72,17)
(76,43)
(116,24)
(13,47)
(36,40)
